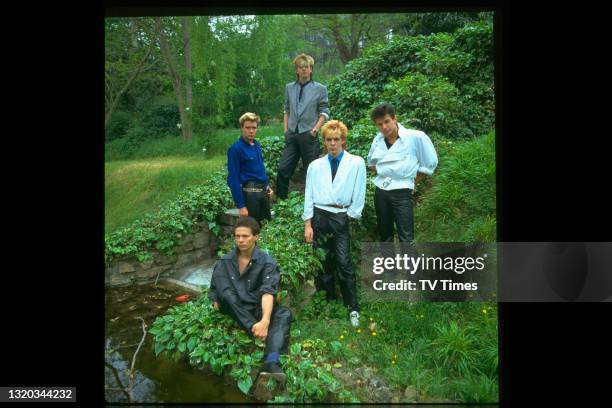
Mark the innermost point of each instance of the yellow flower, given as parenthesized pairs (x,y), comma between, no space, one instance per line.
(395,356)
(358,330)
(422,316)
(373,333)
(341,337)
(371,319)
(484,311)
(392,361)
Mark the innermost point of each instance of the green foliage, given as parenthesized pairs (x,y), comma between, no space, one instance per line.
(161,119)
(283,239)
(464,59)
(433,104)
(210,339)
(162,230)
(118,126)
(460,207)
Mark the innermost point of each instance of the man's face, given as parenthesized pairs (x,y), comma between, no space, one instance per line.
(249,129)
(304,71)
(387,125)
(244,238)
(333,143)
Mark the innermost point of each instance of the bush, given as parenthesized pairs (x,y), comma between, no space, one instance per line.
(161,119)
(465,58)
(119,124)
(434,103)
(125,147)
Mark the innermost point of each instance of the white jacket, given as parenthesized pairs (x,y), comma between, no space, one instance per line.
(397,167)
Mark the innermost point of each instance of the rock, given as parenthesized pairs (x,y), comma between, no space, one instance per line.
(382,394)
(163,259)
(229,217)
(201,240)
(119,280)
(411,394)
(184,248)
(185,239)
(152,273)
(125,267)
(189,258)
(146,264)
(226,231)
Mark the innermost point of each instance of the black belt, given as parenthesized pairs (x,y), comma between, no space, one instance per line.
(252,187)
(342,207)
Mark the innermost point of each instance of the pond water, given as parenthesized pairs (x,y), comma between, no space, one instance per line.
(156,379)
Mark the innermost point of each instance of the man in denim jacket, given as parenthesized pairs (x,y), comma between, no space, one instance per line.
(306,108)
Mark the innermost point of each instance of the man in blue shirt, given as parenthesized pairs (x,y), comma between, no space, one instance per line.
(246,176)
(306,108)
(335,193)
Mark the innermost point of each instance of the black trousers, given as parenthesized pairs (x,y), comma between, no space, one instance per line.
(394,207)
(331,232)
(246,315)
(297,145)
(258,205)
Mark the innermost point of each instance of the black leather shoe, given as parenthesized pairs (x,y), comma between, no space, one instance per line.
(273,370)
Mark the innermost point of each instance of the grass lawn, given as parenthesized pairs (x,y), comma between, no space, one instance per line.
(136,187)
(158,170)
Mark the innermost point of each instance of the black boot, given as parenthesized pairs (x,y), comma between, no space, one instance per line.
(272,370)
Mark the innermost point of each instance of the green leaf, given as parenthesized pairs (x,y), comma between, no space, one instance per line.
(245,384)
(191,343)
(311,386)
(181,347)
(295,348)
(159,347)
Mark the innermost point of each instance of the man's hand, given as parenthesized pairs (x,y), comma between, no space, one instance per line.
(308,233)
(260,329)
(215,305)
(243,212)
(313,132)
(270,192)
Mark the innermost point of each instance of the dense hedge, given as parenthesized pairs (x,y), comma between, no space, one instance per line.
(457,66)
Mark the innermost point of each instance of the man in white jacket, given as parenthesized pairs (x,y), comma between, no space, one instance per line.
(335,193)
(400,158)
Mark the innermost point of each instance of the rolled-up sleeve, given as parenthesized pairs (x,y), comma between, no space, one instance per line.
(359,191)
(270,279)
(323,107)
(426,154)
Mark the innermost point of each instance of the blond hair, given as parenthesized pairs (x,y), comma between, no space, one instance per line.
(298,61)
(335,127)
(250,117)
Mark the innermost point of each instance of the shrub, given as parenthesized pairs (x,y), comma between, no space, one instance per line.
(160,120)
(118,126)
(434,103)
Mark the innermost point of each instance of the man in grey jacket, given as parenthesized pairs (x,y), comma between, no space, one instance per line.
(306,108)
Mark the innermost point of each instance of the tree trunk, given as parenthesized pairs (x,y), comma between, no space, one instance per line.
(114,99)
(187,54)
(176,82)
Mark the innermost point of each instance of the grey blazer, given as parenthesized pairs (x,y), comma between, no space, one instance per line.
(305,113)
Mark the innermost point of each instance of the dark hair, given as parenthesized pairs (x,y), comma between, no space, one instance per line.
(248,222)
(381,110)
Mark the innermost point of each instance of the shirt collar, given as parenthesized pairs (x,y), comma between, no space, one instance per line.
(257,253)
(304,84)
(330,157)
(247,143)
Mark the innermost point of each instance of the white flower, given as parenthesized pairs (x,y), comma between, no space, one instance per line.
(204,149)
(178,125)
(187,108)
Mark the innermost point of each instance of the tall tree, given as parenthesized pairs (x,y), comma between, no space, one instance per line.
(176,76)
(127,55)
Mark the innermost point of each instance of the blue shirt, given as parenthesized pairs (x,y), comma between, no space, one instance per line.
(244,163)
(330,158)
